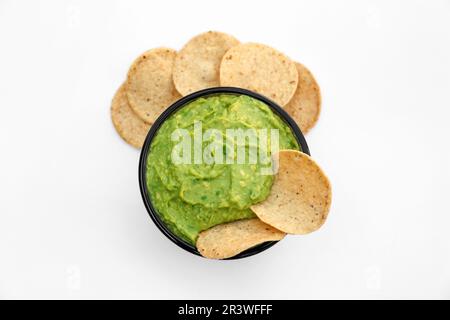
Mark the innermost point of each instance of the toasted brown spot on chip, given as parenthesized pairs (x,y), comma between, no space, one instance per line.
(197,64)
(129,126)
(291,207)
(262,69)
(305,105)
(150,88)
(229,239)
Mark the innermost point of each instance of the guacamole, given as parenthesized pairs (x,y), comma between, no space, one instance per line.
(192,197)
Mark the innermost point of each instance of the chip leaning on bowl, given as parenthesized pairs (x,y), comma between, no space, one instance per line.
(191,198)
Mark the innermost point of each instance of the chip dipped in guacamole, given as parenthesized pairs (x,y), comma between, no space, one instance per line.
(209,161)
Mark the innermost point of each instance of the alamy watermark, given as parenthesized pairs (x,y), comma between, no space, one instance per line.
(236,146)
(73,277)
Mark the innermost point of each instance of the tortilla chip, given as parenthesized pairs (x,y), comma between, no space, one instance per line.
(129,126)
(261,69)
(304,106)
(229,239)
(150,88)
(300,198)
(197,65)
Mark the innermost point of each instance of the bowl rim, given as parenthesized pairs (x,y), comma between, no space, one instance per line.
(154,129)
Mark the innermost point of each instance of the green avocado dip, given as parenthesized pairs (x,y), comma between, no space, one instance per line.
(192,197)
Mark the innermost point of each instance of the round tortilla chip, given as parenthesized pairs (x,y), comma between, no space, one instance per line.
(300,198)
(304,106)
(261,69)
(229,239)
(150,88)
(129,126)
(197,64)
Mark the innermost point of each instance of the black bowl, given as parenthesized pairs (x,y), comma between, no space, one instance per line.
(154,129)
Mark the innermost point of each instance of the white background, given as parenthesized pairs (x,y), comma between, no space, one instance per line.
(72,222)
